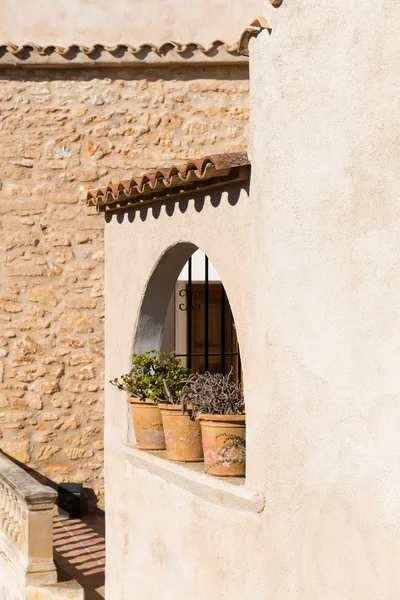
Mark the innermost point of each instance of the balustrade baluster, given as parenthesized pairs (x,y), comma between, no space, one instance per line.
(26,518)
(11,525)
(2,505)
(17,521)
(4,509)
(7,511)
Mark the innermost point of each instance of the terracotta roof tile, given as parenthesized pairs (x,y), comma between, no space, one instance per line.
(100,54)
(196,173)
(256,26)
(77,54)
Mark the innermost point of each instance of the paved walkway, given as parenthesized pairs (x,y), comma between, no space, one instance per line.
(79,549)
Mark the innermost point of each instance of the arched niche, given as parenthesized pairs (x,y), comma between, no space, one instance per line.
(167,299)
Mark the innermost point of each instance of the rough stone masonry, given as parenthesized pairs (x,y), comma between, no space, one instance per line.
(63,131)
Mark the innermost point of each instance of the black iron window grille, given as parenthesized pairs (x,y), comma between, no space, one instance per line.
(211,340)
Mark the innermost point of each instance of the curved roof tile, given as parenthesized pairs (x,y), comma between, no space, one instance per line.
(169,51)
(165,181)
(77,54)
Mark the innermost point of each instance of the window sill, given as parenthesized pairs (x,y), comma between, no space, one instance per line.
(230,492)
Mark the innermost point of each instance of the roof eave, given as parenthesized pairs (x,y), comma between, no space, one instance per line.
(77,55)
(237,175)
(194,175)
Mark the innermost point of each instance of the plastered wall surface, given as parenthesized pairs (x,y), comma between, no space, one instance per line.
(63,131)
(12,586)
(66,22)
(310,263)
(189,548)
(326,178)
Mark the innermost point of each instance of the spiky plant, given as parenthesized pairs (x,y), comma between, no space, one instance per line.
(214,393)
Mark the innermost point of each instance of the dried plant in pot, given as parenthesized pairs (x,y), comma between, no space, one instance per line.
(182,431)
(218,403)
(145,386)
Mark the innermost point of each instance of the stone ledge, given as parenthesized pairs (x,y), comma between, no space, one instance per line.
(230,492)
(26,573)
(24,485)
(67,590)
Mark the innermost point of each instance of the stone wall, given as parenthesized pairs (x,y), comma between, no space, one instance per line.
(61,132)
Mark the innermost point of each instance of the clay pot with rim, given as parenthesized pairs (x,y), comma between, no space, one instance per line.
(224,452)
(182,434)
(147,423)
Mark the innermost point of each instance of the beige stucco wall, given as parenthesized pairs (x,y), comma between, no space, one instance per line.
(310,262)
(11,583)
(183,545)
(326,178)
(64,22)
(63,131)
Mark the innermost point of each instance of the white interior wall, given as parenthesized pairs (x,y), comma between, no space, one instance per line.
(177,318)
(198,269)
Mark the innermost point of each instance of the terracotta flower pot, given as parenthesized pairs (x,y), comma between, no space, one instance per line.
(224,452)
(182,435)
(147,424)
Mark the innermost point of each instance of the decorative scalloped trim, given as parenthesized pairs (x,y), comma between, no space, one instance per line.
(218,52)
(161,50)
(256,26)
(77,54)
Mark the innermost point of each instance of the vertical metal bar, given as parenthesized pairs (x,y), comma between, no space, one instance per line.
(206,303)
(239,367)
(189,313)
(223,329)
(174,303)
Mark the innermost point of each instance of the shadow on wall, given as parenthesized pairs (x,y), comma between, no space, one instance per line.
(160,286)
(196,200)
(119,51)
(227,72)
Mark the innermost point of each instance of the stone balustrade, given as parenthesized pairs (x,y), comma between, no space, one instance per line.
(26,525)
(10,514)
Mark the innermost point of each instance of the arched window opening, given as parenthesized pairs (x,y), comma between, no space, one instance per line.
(199,324)
(185,309)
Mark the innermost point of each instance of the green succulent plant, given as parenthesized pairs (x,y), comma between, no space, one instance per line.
(158,376)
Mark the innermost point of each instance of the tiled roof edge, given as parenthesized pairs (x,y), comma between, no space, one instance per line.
(217,52)
(256,26)
(32,54)
(165,181)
